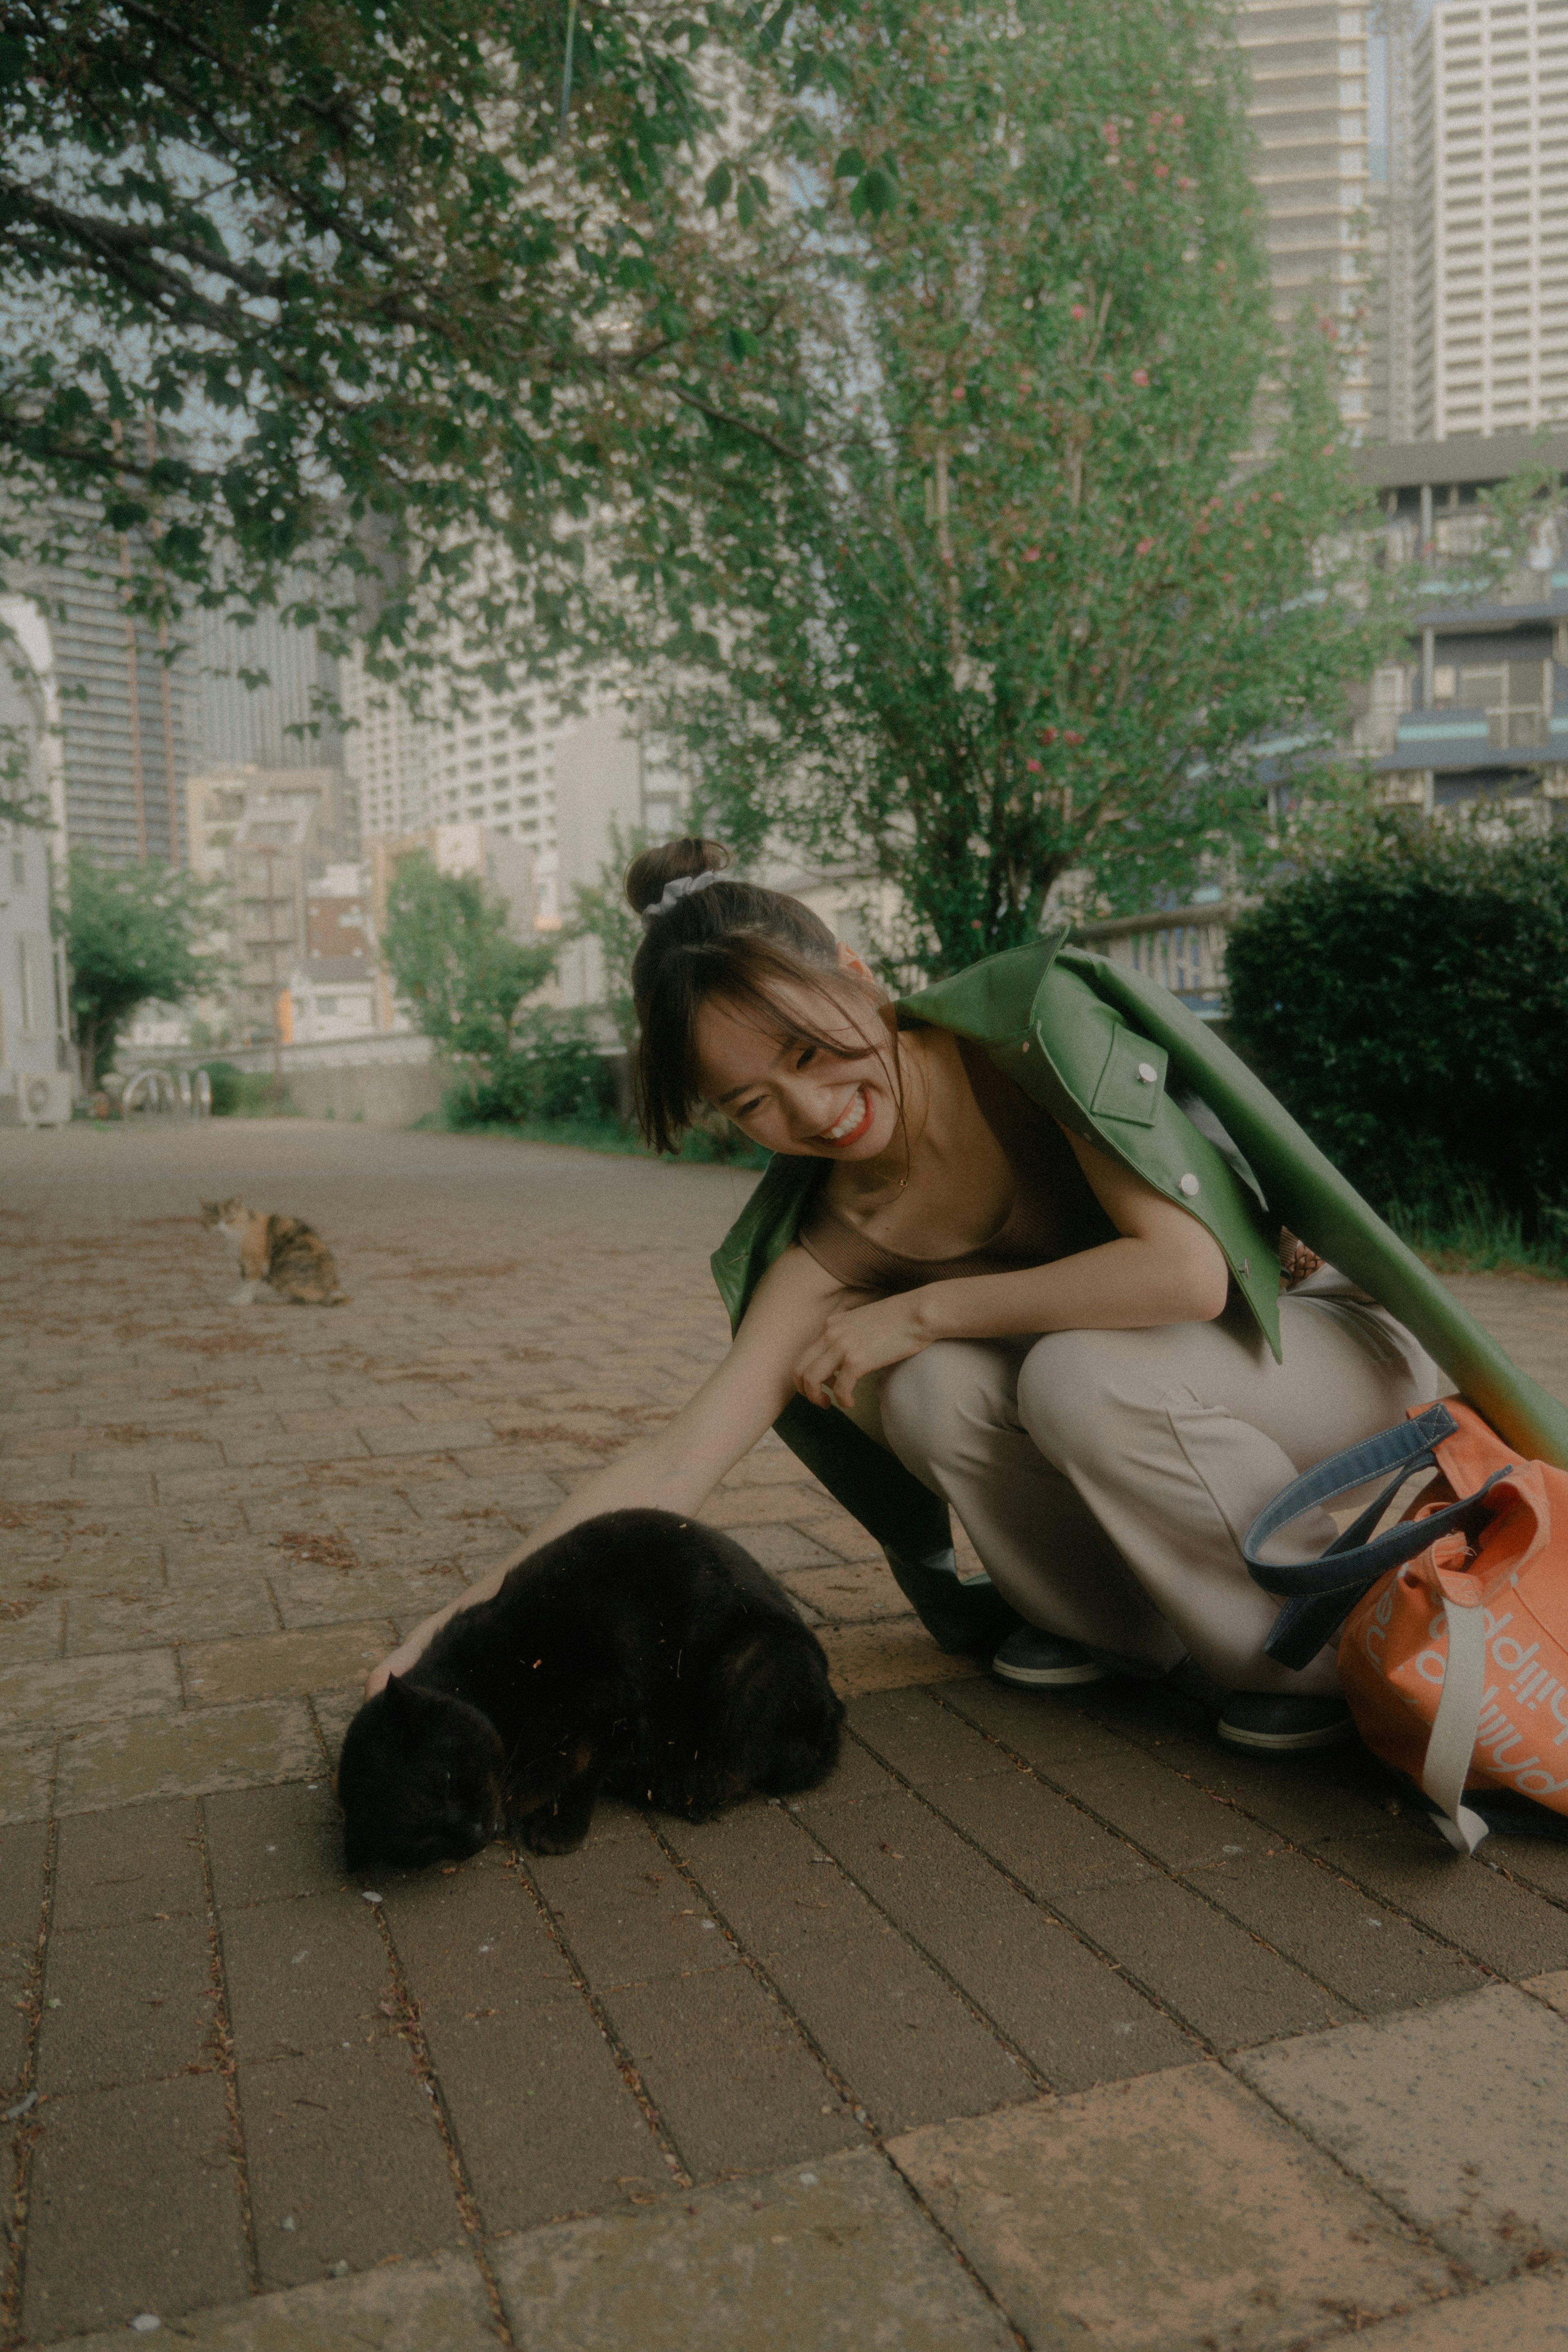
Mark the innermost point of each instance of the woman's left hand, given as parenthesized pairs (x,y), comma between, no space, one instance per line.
(856,1340)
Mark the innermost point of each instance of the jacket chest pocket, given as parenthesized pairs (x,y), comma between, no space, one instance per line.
(1132,1083)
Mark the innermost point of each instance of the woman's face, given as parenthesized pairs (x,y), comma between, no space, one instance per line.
(791,1096)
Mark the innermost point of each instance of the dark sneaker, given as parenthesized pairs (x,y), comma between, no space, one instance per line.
(1282,1724)
(1044,1661)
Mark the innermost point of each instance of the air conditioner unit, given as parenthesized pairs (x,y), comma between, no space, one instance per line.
(44,1098)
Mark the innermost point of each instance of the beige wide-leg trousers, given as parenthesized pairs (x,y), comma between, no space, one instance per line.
(1106,1478)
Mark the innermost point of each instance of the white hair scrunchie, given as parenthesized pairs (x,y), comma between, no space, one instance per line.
(680,888)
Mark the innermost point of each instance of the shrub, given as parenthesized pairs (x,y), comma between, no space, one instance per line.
(246,1094)
(1409,1005)
(553,1072)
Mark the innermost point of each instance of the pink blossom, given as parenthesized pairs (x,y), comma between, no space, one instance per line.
(1034,767)
(1048,734)
(1078,311)
(1144,546)
(1072,736)
(1162,171)
(1031,555)
(1140,376)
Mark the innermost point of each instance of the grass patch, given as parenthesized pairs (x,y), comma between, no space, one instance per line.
(1471,1235)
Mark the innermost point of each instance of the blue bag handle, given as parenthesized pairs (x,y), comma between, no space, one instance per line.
(1320,1594)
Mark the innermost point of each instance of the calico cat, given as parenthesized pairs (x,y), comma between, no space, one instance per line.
(639,1654)
(291,1258)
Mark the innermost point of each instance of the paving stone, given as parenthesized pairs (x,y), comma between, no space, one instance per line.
(445,1437)
(1048,1843)
(286,1447)
(902,2038)
(37,1636)
(1179,1823)
(304,1975)
(23,1849)
(627,1913)
(300,2116)
(65,1691)
(437,2304)
(265,1844)
(1339,1793)
(473,1939)
(923,1741)
(781,1549)
(1505,1927)
(278,1665)
(126,2004)
(1173,2213)
(1207,1970)
(1361,1951)
(113,1621)
(1553,1990)
(1528,2315)
(133,2206)
(139,1863)
(542,2117)
(1073,2017)
(1042,1728)
(1457,2114)
(187,1753)
(833,2257)
(311,1597)
(735,2085)
(26,1777)
(849,1592)
(888,1656)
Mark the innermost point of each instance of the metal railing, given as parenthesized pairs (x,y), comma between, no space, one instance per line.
(1181,947)
(169,1093)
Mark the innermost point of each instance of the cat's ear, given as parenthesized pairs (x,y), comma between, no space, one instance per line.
(403,1706)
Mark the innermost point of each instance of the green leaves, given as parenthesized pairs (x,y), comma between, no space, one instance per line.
(453,961)
(998,618)
(134,934)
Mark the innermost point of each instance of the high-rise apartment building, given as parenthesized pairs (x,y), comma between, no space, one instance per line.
(1308,61)
(130,711)
(1489,233)
(496,767)
(287,722)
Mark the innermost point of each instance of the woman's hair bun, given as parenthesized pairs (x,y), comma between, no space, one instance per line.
(647,875)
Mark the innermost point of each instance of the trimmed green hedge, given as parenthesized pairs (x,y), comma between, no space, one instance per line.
(1409,1005)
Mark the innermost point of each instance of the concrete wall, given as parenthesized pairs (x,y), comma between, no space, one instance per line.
(392,1094)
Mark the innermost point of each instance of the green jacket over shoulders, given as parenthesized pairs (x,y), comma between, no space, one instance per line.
(1120,1062)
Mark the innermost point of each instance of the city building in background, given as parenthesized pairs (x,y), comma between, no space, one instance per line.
(129,710)
(1470,292)
(36,1077)
(1477,710)
(495,768)
(1309,62)
(1489,184)
(267,834)
(287,721)
(331,997)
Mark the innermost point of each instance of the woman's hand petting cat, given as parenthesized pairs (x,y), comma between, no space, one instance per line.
(861,1339)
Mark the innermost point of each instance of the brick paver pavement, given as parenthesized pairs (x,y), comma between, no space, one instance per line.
(1043,2020)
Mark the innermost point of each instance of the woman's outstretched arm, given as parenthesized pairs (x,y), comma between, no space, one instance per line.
(678,1469)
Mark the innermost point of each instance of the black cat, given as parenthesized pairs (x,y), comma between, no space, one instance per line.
(641,1652)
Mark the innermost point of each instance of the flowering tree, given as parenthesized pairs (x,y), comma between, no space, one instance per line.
(1007,599)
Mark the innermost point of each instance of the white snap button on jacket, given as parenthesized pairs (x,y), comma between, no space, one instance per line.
(1189,1185)
(1148,1073)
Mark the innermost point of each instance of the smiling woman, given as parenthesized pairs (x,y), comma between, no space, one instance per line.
(1007,1261)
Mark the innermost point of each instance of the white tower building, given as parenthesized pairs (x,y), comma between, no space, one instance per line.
(1489,200)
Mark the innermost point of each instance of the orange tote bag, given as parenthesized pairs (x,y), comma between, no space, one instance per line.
(1453,1649)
